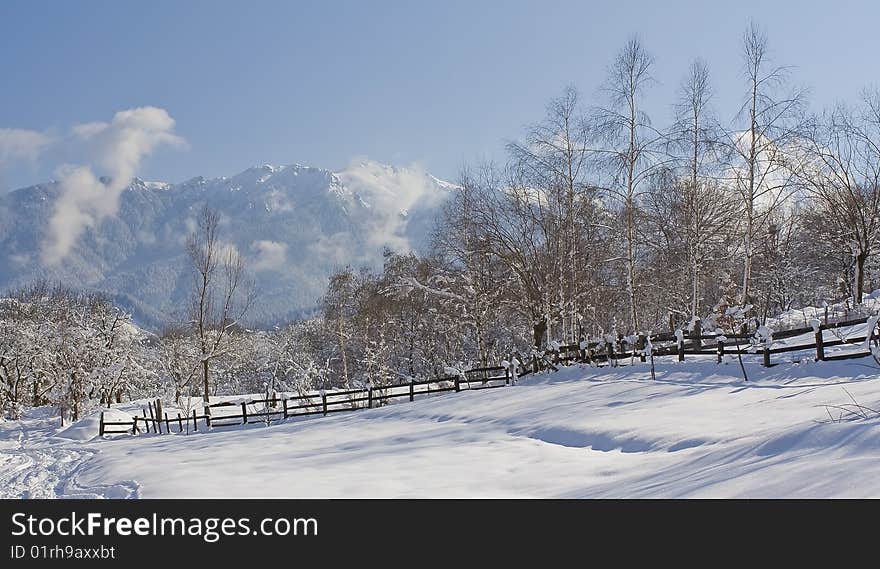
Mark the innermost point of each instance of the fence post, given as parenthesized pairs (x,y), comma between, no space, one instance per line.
(324,402)
(134,427)
(207,416)
(167,424)
(681,351)
(370,397)
(507,376)
(609,350)
(152,421)
(697,335)
(766,356)
(101,426)
(159,414)
(457,384)
(720,351)
(243,413)
(195,421)
(820,347)
(179,423)
(284,405)
(411,390)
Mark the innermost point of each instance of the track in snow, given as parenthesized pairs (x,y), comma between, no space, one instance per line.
(36,464)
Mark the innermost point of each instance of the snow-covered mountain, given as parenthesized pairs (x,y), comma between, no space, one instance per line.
(295,225)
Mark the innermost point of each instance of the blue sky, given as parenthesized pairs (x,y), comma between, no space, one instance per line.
(436,83)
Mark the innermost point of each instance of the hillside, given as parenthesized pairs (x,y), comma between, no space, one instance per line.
(295,224)
(699,430)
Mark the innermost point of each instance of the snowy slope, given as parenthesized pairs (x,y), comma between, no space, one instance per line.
(295,225)
(697,431)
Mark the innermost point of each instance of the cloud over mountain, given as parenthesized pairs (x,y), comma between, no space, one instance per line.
(117,149)
(294,224)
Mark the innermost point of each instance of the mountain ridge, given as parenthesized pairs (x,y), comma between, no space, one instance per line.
(294,224)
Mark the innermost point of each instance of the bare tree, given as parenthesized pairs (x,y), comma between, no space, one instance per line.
(700,208)
(503,214)
(338,307)
(760,171)
(554,159)
(632,147)
(221,295)
(841,171)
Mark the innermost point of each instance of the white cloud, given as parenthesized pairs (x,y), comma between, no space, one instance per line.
(340,249)
(277,201)
(21,145)
(269,255)
(117,149)
(391,194)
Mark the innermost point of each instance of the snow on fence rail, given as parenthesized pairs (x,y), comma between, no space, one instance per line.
(274,408)
(267,410)
(697,343)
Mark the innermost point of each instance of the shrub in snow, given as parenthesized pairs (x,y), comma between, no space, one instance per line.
(649,347)
(871,331)
(764,336)
(454,372)
(679,336)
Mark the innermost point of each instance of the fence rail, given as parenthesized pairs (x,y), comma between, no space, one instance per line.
(667,344)
(274,408)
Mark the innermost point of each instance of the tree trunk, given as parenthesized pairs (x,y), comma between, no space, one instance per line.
(75,396)
(630,214)
(859,288)
(342,353)
(750,196)
(539,328)
(747,264)
(480,347)
(206,378)
(631,267)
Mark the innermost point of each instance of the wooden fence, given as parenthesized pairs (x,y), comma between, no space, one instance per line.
(697,343)
(274,408)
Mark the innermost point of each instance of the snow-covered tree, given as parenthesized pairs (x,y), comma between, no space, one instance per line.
(760,169)
(840,169)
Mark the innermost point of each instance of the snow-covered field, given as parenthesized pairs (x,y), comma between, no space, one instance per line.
(699,430)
